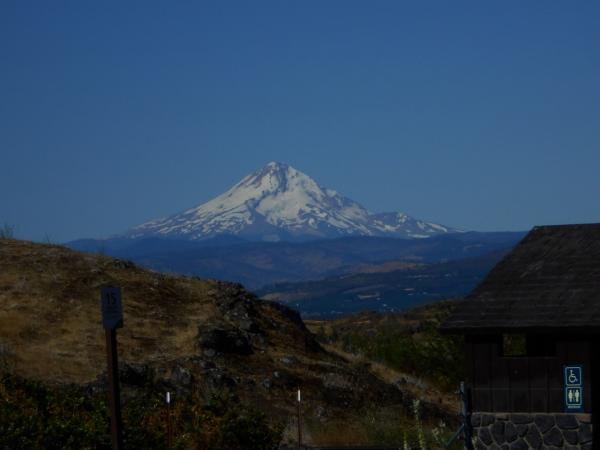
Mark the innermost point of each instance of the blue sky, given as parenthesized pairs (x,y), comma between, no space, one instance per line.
(481,115)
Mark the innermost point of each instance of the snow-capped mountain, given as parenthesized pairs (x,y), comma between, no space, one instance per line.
(279,202)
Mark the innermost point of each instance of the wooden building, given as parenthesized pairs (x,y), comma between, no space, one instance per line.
(532,342)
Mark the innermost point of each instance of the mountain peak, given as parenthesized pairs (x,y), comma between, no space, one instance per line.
(277,165)
(273,174)
(280,202)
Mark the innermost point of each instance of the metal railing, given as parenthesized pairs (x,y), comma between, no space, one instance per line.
(466,428)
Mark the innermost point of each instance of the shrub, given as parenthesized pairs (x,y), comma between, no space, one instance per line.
(423,352)
(33,416)
(7,231)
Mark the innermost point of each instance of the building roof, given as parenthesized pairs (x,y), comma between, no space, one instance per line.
(550,280)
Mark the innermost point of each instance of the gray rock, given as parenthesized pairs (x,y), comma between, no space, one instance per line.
(521,418)
(289,360)
(123,264)
(267,383)
(219,379)
(497,430)
(320,412)
(202,363)
(480,445)
(476,420)
(534,437)
(566,421)
(487,419)
(519,445)
(249,325)
(181,376)
(485,436)
(510,432)
(338,381)
(521,429)
(544,422)
(570,436)
(553,437)
(585,434)
(207,364)
(259,341)
(495,447)
(587,447)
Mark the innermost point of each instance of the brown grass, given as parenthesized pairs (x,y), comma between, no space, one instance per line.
(50,329)
(50,311)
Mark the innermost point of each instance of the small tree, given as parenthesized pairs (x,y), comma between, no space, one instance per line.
(7,231)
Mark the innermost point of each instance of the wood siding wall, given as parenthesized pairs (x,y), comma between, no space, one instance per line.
(523,383)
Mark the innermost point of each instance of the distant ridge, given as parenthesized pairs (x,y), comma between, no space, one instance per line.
(278,202)
(256,264)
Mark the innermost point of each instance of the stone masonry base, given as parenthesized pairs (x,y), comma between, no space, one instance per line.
(496,431)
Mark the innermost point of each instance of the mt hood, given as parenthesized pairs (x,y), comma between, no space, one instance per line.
(279,202)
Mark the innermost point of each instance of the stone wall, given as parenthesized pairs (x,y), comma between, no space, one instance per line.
(495,431)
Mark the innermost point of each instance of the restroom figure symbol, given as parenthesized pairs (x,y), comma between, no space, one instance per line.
(574,396)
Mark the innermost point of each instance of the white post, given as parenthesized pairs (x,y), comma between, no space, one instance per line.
(169,427)
(299,420)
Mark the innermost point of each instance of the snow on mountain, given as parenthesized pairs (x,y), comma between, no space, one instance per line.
(397,222)
(279,202)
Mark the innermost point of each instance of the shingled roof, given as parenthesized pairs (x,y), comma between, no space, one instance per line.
(551,280)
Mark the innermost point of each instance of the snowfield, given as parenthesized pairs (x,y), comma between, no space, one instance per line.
(279,202)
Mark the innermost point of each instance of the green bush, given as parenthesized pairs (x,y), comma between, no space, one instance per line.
(34,416)
(424,352)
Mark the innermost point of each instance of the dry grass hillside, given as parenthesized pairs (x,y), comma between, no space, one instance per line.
(406,349)
(189,332)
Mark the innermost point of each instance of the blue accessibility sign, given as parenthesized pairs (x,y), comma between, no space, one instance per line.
(573,376)
(573,388)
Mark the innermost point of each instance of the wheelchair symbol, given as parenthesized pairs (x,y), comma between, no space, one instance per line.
(572,377)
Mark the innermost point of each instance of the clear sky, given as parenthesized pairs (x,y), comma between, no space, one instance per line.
(480,115)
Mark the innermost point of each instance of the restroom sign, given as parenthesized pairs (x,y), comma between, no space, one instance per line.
(573,388)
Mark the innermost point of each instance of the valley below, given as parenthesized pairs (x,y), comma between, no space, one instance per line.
(388,287)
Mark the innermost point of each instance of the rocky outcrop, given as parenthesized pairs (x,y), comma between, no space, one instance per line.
(225,341)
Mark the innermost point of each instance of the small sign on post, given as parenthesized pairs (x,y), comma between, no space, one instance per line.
(112,308)
(112,318)
(573,388)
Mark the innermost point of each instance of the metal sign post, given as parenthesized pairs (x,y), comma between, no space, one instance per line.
(112,318)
